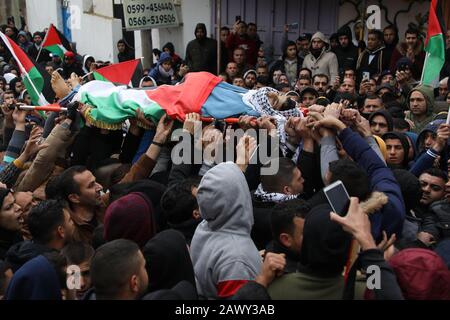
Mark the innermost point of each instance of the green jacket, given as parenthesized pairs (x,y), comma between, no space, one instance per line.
(302,286)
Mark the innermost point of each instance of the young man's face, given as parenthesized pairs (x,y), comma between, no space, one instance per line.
(387,79)
(296,186)
(372,86)
(317,44)
(231,69)
(433,188)
(224,35)
(121,47)
(429,140)
(167,66)
(302,84)
(344,41)
(11,214)
(8,99)
(320,84)
(417,104)
(372,42)
(372,105)
(262,72)
(242,29)
(411,40)
(308,99)
(389,36)
(378,125)
(350,74)
(19,87)
(291,52)
(239,56)
(37,39)
(250,80)
(9,32)
(251,31)
(85,279)
(276,76)
(90,190)
(443,89)
(395,151)
(200,34)
(294,240)
(238,82)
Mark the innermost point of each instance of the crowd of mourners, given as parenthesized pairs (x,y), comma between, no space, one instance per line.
(91,214)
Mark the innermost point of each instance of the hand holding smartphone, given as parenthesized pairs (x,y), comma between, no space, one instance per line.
(338,197)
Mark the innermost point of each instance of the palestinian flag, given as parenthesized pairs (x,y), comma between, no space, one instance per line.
(121,73)
(55,42)
(434,45)
(36,80)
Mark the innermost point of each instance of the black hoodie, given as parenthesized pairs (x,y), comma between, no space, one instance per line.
(348,56)
(201,54)
(405,144)
(22,252)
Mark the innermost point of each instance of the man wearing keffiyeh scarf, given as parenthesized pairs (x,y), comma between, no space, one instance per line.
(270,102)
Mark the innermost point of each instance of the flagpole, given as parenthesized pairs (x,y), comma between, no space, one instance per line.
(42,44)
(22,69)
(423,69)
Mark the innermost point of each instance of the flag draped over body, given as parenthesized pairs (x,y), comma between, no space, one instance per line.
(201,92)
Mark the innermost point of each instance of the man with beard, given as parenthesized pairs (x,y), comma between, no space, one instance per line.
(321,60)
(201,53)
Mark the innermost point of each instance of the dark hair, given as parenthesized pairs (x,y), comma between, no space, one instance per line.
(412,31)
(3,267)
(283,177)
(307,69)
(225,28)
(177,203)
(352,176)
(438,173)
(52,188)
(264,80)
(321,75)
(9,92)
(378,33)
(78,252)
(112,266)
(66,184)
(281,86)
(283,214)
(251,24)
(401,124)
(44,219)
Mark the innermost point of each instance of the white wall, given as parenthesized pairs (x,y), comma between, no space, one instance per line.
(190,13)
(98,32)
(347,12)
(43,12)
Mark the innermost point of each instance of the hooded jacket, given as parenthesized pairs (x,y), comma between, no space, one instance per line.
(348,56)
(386,115)
(326,63)
(159,74)
(428,94)
(432,127)
(168,261)
(405,144)
(323,256)
(421,274)
(201,55)
(24,251)
(176,60)
(223,254)
(130,217)
(85,59)
(36,280)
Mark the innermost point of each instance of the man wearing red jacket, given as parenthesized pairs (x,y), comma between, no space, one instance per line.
(239,38)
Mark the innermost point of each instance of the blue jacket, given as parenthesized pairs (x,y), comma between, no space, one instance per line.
(390,218)
(157,75)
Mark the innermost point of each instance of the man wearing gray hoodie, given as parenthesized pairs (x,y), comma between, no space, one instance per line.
(320,60)
(223,254)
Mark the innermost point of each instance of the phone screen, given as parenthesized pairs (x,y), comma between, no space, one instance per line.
(337,197)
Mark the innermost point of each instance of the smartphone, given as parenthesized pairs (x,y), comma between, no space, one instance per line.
(366,76)
(238,18)
(337,197)
(448,116)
